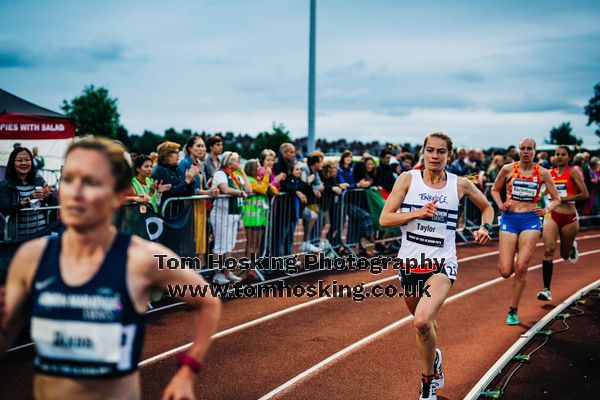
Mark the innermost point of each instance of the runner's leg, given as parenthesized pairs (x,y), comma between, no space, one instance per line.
(527,241)
(425,314)
(507,249)
(567,237)
(550,233)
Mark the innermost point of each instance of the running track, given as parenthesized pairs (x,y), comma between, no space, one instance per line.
(339,349)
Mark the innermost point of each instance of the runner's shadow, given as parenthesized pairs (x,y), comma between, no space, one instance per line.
(524,326)
(548,306)
(443,398)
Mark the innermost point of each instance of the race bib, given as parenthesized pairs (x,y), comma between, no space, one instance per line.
(450,270)
(78,341)
(428,232)
(524,190)
(562,189)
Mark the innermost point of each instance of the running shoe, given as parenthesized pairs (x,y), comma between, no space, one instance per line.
(440,378)
(428,388)
(574,253)
(545,295)
(220,279)
(512,318)
(309,247)
(233,277)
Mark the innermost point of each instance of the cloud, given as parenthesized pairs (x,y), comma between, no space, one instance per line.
(14,59)
(88,57)
(469,76)
(15,55)
(108,52)
(354,69)
(537,105)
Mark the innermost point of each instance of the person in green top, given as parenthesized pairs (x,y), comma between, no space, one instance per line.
(255,209)
(145,189)
(38,161)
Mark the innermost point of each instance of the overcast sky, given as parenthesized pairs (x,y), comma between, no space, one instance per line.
(486,72)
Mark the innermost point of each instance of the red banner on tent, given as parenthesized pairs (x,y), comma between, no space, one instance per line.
(18,126)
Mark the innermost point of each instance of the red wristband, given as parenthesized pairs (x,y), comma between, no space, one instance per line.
(189,361)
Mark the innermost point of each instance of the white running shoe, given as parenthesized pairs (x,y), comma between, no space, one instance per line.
(545,295)
(309,247)
(233,277)
(440,378)
(574,256)
(220,279)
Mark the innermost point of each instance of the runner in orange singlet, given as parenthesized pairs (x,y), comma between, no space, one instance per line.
(520,226)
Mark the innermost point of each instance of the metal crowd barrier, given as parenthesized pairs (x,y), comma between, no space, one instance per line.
(294,229)
(358,221)
(27,222)
(199,226)
(51,176)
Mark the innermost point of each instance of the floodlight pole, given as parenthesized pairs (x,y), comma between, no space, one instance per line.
(311,76)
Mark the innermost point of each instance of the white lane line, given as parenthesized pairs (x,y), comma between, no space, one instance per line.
(173,305)
(312,271)
(508,355)
(279,313)
(383,331)
(268,317)
(257,321)
(288,310)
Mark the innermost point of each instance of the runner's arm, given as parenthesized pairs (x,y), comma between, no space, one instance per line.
(206,321)
(390,217)
(498,184)
(14,296)
(551,189)
(209,306)
(583,193)
(467,188)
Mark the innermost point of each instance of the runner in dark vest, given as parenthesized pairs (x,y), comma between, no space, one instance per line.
(88,289)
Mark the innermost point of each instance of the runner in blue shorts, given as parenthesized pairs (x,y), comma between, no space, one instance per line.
(520,223)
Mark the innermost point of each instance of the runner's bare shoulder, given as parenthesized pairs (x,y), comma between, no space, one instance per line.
(144,254)
(404,179)
(508,167)
(25,262)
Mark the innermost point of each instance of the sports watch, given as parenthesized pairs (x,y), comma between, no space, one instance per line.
(487,226)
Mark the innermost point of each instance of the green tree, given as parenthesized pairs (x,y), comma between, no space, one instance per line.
(148,142)
(122,135)
(592,110)
(562,135)
(94,112)
(271,140)
(173,136)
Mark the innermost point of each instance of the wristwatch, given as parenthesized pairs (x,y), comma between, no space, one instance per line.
(487,226)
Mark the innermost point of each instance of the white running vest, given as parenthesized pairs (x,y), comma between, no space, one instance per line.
(431,237)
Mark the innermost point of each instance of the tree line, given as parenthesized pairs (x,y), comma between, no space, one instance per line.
(94,111)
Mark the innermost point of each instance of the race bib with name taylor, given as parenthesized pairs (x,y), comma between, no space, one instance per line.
(430,231)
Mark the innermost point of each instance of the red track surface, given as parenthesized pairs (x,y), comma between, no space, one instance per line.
(249,363)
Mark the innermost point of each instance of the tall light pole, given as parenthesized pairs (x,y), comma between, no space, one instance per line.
(311,76)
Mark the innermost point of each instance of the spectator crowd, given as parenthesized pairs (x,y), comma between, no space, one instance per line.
(283,185)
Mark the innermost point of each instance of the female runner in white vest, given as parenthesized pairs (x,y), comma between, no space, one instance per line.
(88,346)
(428,204)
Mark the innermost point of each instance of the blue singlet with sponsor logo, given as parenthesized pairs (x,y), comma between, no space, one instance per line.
(87,331)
